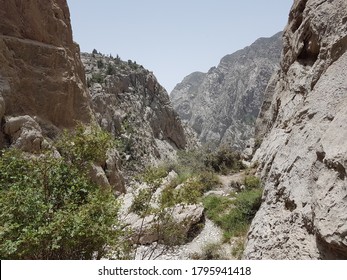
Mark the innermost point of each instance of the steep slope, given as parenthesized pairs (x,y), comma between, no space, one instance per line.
(42,81)
(303,156)
(222,105)
(40,71)
(130,103)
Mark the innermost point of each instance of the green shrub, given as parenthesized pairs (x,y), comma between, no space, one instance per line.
(111,69)
(141,202)
(100,64)
(233,215)
(208,180)
(190,162)
(251,182)
(50,209)
(224,160)
(85,144)
(153,176)
(97,78)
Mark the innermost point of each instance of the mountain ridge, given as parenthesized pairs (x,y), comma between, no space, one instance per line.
(222,104)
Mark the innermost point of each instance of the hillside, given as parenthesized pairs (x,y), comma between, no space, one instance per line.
(223,104)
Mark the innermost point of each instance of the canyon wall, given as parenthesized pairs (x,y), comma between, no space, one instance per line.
(303,156)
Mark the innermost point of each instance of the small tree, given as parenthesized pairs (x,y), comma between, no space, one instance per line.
(100,64)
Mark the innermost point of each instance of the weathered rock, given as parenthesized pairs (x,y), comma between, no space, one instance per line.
(42,80)
(40,70)
(113,171)
(303,157)
(222,105)
(135,108)
(24,133)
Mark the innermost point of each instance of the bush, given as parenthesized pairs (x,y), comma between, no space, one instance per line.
(50,209)
(224,160)
(233,215)
(100,64)
(111,69)
(154,175)
(251,182)
(141,202)
(85,144)
(97,78)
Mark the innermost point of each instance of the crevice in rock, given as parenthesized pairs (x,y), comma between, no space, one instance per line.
(196,229)
(296,17)
(308,224)
(289,204)
(309,53)
(338,167)
(320,155)
(330,251)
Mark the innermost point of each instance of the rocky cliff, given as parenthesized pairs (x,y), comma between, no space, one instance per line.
(129,102)
(41,74)
(222,105)
(43,89)
(303,156)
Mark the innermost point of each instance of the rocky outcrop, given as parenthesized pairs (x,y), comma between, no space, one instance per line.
(40,71)
(42,81)
(303,156)
(130,103)
(222,105)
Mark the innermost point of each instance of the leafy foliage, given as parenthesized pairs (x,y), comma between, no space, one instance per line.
(224,160)
(141,202)
(234,215)
(49,207)
(97,78)
(251,182)
(85,144)
(100,64)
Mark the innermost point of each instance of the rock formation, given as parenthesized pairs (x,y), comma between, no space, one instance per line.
(222,105)
(303,156)
(41,74)
(130,103)
(42,81)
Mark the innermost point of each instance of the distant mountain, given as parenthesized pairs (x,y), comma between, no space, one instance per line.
(223,104)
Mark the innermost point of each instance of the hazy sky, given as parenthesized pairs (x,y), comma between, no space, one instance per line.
(174,38)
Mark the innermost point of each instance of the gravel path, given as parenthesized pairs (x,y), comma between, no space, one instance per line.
(209,235)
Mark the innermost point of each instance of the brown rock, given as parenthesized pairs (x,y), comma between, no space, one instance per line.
(39,63)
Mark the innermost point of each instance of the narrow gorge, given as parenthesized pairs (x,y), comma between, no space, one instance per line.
(246,161)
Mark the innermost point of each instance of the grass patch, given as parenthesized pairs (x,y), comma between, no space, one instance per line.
(233,216)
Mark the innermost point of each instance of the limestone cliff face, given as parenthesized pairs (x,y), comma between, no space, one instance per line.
(303,156)
(42,81)
(41,74)
(130,103)
(222,105)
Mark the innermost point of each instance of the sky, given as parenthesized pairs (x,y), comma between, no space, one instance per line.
(174,38)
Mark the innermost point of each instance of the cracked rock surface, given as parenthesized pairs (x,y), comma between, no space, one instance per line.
(303,156)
